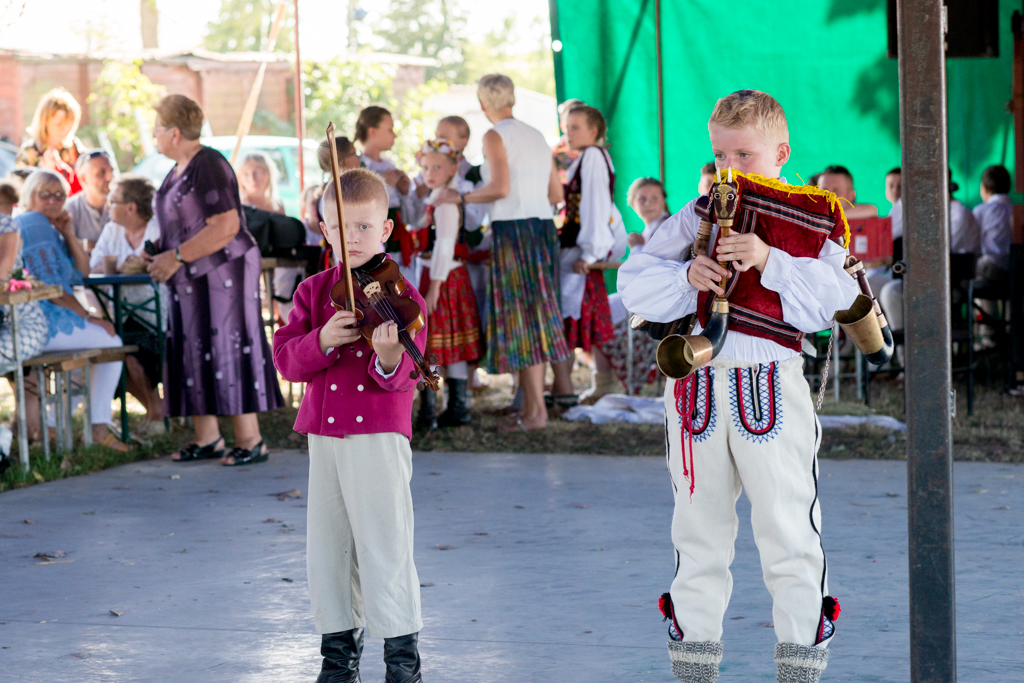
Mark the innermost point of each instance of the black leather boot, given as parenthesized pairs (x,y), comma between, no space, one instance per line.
(456,414)
(426,421)
(341,656)
(402,659)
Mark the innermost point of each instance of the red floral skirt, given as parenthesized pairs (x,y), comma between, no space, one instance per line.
(595,324)
(454,326)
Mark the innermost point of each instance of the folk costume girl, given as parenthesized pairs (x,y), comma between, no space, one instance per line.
(455,336)
(375,131)
(592,232)
(745,420)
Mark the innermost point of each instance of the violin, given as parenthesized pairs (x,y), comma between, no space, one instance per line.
(377,292)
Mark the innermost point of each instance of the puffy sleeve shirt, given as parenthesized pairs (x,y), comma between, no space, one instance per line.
(654,285)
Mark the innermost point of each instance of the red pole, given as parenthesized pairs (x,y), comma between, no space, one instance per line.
(300,101)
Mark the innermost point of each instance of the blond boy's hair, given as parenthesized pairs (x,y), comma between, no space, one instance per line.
(753,109)
(358,186)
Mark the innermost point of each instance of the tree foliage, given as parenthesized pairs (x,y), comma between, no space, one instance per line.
(338,90)
(121,91)
(244,25)
(524,56)
(426,28)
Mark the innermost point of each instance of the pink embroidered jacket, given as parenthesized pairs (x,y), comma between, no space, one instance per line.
(345,393)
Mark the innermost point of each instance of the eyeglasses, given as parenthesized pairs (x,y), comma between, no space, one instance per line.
(93,154)
(46,195)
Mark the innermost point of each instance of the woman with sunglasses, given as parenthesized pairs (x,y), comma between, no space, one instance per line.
(58,261)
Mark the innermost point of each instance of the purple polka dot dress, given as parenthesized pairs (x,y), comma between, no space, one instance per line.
(218,358)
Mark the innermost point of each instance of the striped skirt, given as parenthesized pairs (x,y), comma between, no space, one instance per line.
(524,320)
(454,326)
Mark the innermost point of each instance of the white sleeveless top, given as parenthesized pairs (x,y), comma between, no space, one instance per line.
(529,170)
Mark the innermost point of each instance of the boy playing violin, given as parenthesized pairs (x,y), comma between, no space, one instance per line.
(357,414)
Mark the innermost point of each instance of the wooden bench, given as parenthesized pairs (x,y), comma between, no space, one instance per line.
(61,364)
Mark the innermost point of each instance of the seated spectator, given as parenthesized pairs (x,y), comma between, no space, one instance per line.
(838,179)
(964,231)
(88,209)
(53,144)
(8,197)
(707,178)
(58,261)
(646,196)
(257,181)
(124,238)
(995,220)
(894,194)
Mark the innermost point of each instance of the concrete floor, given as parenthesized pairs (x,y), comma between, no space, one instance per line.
(553,573)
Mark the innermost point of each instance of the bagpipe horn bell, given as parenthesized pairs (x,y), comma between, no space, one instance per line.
(864,324)
(679,355)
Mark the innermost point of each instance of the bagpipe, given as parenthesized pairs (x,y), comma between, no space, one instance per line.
(803,217)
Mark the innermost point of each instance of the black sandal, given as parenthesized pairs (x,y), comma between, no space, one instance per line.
(244,456)
(194,451)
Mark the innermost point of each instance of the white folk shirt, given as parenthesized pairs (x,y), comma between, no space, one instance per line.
(649,229)
(995,217)
(446,231)
(602,233)
(654,285)
(473,214)
(396,200)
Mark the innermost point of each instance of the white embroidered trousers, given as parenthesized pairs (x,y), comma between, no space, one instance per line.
(754,428)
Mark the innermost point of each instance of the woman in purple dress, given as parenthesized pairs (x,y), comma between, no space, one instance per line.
(218,359)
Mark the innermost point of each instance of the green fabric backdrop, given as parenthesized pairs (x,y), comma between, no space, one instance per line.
(823,61)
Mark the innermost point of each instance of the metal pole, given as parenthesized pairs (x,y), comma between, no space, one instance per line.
(299,103)
(661,93)
(926,301)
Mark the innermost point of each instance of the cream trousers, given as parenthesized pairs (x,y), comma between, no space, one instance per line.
(754,428)
(359,538)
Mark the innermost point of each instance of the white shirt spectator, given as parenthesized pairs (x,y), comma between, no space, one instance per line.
(896,214)
(995,219)
(112,242)
(964,232)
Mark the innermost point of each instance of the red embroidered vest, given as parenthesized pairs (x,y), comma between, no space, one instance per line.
(796,220)
(573,191)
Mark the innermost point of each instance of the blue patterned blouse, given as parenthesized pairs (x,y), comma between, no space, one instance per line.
(45,255)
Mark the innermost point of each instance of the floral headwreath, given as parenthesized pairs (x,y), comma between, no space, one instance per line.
(440,147)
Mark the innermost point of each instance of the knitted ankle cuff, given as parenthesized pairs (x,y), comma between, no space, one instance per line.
(695,662)
(800,663)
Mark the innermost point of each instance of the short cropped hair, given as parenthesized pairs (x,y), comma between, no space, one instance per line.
(836,169)
(39,179)
(496,91)
(359,186)
(897,171)
(595,119)
(754,109)
(178,111)
(708,169)
(8,192)
(996,179)
(54,102)
(85,157)
(458,123)
(137,190)
(641,183)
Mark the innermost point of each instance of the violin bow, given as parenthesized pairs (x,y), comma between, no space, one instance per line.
(336,179)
